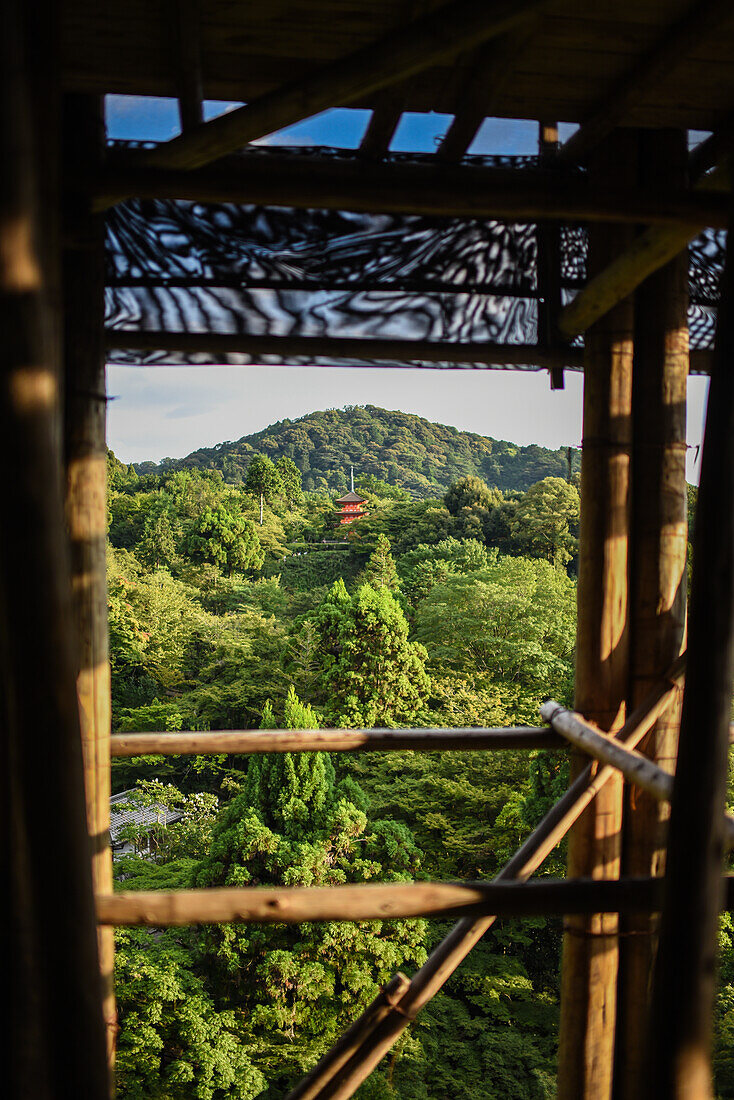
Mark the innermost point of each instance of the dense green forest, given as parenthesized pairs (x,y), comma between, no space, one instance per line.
(397,447)
(240,604)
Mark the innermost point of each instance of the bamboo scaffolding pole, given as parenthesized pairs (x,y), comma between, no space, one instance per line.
(328,1083)
(434,38)
(590,945)
(633,765)
(438,189)
(679,1056)
(462,739)
(350,1042)
(86,510)
(659,537)
(379,901)
(54,1041)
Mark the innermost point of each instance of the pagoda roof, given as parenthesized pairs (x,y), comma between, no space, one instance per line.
(351,498)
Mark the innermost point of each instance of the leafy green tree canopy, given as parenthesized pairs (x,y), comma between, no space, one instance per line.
(372,674)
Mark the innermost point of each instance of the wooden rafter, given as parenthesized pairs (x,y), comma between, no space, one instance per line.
(676,44)
(648,253)
(346,347)
(185,24)
(480,92)
(411,188)
(424,42)
(381,128)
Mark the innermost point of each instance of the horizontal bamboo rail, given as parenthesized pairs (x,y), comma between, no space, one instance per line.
(461,738)
(635,767)
(382,901)
(339,1080)
(434,189)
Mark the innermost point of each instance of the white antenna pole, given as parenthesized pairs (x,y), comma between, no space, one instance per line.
(352,471)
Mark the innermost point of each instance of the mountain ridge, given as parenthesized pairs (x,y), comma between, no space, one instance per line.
(417,454)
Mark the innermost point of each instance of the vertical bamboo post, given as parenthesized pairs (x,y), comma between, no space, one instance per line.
(55,1038)
(86,502)
(657,585)
(683,990)
(589,968)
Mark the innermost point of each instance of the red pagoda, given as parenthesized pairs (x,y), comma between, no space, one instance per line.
(350,505)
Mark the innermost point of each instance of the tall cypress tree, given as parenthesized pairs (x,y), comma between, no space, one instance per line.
(292,824)
(372,674)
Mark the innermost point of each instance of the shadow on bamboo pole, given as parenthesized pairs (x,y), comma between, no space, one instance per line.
(658,548)
(337,1076)
(86,498)
(683,992)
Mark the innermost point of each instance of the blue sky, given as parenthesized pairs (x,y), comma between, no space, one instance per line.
(170,411)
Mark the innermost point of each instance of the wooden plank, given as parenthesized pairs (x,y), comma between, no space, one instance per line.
(683,993)
(424,42)
(377,901)
(590,949)
(345,347)
(700,22)
(658,587)
(86,508)
(186,40)
(467,190)
(449,954)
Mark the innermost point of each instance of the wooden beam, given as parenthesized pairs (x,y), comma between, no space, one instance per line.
(441,189)
(434,38)
(652,250)
(468,739)
(86,509)
(590,946)
(480,93)
(700,22)
(341,1082)
(186,40)
(658,588)
(345,347)
(380,901)
(683,993)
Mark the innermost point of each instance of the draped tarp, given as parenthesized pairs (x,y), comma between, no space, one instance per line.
(176,266)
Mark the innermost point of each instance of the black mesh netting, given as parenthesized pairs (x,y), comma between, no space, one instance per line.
(226,269)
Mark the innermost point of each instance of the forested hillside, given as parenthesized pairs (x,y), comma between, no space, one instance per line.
(397,447)
(237,606)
